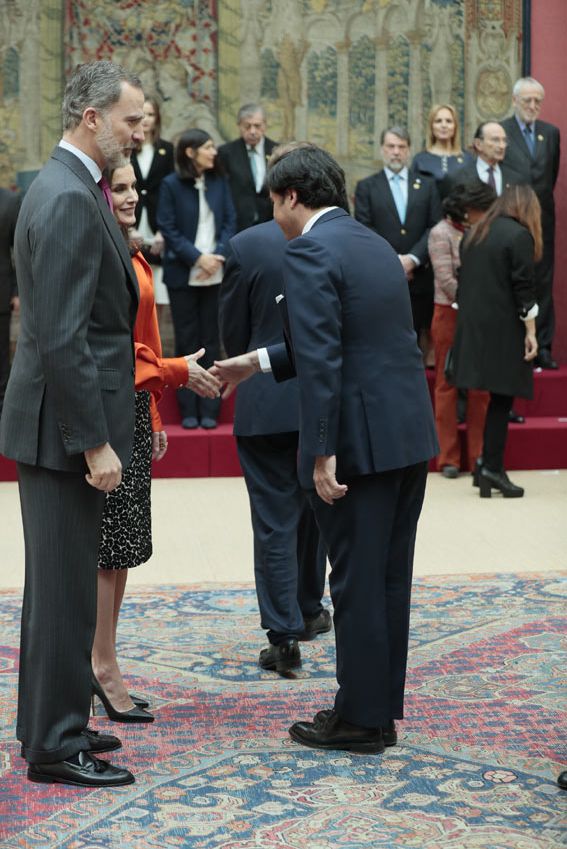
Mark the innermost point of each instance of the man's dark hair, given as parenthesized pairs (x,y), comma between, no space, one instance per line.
(312,172)
(471,194)
(97,85)
(193,138)
(479,132)
(400,132)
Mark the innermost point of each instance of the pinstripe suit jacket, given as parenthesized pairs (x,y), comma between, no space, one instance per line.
(72,381)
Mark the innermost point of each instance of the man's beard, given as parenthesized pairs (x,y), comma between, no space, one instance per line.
(396,167)
(110,148)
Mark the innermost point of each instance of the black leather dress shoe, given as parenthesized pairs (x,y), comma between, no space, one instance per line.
(281,658)
(320,624)
(208,423)
(89,772)
(515,418)
(562,780)
(389,733)
(545,360)
(98,742)
(332,732)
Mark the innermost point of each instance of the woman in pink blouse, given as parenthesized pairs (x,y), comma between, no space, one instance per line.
(465,204)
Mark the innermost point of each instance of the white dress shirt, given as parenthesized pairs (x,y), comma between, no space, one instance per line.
(482,168)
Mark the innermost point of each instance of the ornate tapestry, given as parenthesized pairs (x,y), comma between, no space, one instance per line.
(334,71)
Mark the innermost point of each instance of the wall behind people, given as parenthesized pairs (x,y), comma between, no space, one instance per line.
(549,65)
(334,71)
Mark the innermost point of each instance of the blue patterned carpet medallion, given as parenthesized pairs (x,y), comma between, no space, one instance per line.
(476,764)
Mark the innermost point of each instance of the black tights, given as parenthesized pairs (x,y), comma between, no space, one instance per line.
(496,431)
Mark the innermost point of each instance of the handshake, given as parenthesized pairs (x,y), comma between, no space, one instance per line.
(208,384)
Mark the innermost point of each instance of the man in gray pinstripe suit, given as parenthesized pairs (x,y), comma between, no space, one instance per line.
(68,416)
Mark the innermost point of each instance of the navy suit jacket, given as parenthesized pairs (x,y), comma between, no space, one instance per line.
(362,389)
(374,206)
(249,319)
(178,218)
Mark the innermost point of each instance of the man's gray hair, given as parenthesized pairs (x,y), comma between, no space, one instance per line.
(249,109)
(523,81)
(97,85)
(400,132)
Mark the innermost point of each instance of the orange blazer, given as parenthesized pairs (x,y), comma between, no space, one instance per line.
(153,372)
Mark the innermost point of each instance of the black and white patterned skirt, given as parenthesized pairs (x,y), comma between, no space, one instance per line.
(126,539)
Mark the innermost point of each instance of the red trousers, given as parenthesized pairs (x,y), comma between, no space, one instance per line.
(443,333)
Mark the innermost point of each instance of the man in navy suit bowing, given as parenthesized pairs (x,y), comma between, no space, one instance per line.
(289,561)
(366,434)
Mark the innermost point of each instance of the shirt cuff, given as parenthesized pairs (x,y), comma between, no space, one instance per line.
(264,360)
(533,312)
(415,259)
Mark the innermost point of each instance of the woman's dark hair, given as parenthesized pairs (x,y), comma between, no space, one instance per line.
(316,177)
(520,203)
(468,195)
(156,107)
(193,138)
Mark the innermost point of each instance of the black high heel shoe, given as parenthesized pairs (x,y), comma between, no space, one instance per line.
(498,480)
(135,714)
(476,472)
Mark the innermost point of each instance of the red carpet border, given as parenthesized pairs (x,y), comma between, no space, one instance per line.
(475,767)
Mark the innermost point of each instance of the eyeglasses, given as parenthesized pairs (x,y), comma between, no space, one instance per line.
(536,101)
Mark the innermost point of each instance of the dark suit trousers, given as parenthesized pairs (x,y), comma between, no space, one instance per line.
(545,321)
(289,563)
(62,517)
(370,537)
(4,354)
(195,316)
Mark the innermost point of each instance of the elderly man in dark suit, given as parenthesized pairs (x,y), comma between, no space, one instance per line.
(402,208)
(244,161)
(490,143)
(366,434)
(289,561)
(533,154)
(9,206)
(68,416)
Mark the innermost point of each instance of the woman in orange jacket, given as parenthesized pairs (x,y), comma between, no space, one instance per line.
(126,530)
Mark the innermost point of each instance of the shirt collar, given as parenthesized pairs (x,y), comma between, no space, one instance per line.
(89,163)
(314,218)
(484,166)
(403,174)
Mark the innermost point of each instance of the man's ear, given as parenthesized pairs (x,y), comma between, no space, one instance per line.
(90,118)
(293,199)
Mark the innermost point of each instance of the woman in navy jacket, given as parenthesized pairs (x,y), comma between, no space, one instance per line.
(196,218)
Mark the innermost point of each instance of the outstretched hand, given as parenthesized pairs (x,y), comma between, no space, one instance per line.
(201,381)
(235,369)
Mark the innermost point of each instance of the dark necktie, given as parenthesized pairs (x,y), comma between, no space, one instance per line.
(105,188)
(529,137)
(491,181)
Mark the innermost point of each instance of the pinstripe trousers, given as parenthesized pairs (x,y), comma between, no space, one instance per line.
(62,517)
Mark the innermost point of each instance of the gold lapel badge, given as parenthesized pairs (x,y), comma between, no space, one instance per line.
(161,151)
(540,137)
(417,184)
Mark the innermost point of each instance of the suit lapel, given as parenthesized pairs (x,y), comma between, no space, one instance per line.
(540,141)
(75,164)
(520,140)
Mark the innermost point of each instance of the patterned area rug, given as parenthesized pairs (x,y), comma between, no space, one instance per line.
(476,764)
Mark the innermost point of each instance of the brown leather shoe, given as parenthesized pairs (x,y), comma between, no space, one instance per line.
(332,732)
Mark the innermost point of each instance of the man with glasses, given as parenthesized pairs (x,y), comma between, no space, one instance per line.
(533,154)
